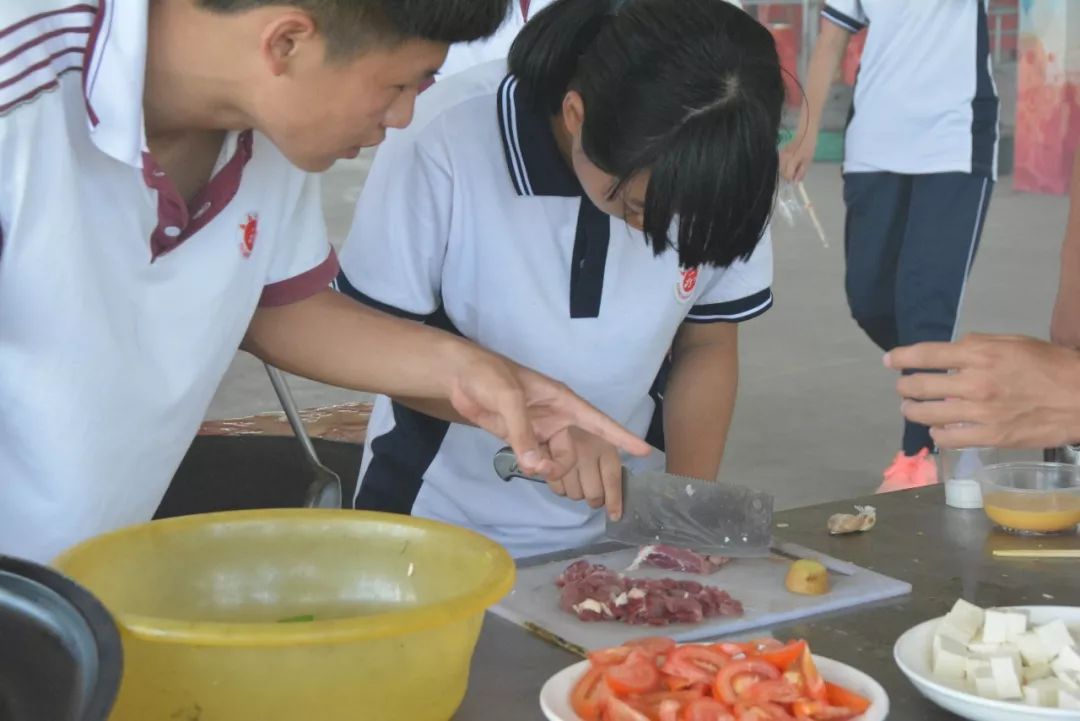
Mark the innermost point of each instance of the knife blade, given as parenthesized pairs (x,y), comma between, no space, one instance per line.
(661,508)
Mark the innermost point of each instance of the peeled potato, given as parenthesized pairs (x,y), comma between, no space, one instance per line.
(807,577)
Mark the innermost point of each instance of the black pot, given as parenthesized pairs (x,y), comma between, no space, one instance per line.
(60,654)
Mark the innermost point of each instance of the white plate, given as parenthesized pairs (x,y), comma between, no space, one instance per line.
(555,696)
(912,654)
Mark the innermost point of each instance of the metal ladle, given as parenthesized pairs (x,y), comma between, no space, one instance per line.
(325,488)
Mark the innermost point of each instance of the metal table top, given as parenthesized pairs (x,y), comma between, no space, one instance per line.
(943,552)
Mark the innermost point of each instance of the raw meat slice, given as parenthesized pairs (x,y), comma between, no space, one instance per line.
(671,558)
(596,593)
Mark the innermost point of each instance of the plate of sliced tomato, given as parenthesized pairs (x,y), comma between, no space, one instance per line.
(654,679)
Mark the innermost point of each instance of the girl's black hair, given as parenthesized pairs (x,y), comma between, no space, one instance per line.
(690,90)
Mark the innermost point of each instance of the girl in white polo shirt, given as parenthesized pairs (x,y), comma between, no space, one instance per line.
(597,200)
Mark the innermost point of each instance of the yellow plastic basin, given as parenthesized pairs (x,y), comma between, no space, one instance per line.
(384,613)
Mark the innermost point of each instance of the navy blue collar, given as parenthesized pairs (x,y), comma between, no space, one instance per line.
(533,159)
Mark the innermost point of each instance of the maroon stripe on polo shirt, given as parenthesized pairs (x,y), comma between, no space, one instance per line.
(305,285)
(82,8)
(38,66)
(37,91)
(91,46)
(40,39)
(174,215)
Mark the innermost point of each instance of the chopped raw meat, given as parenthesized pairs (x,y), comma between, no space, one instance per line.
(671,558)
(596,593)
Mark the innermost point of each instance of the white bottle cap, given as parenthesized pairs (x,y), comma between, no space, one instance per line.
(963,493)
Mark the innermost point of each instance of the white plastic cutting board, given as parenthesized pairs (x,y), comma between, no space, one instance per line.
(757,582)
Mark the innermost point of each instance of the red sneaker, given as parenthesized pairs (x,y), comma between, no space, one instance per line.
(909,472)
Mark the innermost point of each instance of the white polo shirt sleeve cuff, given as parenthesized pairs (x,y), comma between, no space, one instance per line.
(301,286)
(342,284)
(304,261)
(848,14)
(732,311)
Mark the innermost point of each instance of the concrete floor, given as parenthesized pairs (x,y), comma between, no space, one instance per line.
(817,418)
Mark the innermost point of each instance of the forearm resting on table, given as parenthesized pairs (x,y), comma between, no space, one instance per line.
(333,339)
(700,398)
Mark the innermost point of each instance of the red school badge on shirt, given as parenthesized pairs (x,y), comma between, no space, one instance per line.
(250,229)
(684,287)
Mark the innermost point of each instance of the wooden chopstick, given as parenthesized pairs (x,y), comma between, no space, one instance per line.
(809,205)
(1037,553)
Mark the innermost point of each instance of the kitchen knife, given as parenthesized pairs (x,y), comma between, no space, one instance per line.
(660,508)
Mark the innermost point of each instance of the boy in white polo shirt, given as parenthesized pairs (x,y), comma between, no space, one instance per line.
(155,213)
(512,211)
(920,160)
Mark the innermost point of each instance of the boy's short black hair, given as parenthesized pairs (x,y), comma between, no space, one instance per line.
(350,25)
(688,90)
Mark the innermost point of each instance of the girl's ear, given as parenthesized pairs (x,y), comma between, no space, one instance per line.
(573,112)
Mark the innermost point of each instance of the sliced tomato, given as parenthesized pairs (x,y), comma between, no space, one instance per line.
(762,645)
(740,675)
(784,656)
(761,712)
(618,710)
(653,645)
(680,697)
(668,710)
(636,675)
(589,695)
(815,685)
(706,709)
(839,696)
(695,663)
(609,656)
(776,691)
(678,683)
(729,648)
(821,711)
(664,705)
(794,677)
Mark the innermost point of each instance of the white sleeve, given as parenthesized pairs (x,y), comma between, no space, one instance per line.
(393,257)
(740,292)
(304,262)
(848,14)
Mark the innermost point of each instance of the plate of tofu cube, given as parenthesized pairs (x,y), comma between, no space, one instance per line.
(1019,663)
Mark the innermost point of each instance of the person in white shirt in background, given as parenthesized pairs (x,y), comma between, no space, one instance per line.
(532,209)
(1005,391)
(920,161)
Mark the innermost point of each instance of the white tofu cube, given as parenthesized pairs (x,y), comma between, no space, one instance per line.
(984,649)
(1043,693)
(1006,677)
(984,684)
(950,659)
(1036,672)
(1010,655)
(1001,626)
(1067,662)
(1033,648)
(962,622)
(1068,699)
(980,661)
(956,684)
(1055,636)
(1070,679)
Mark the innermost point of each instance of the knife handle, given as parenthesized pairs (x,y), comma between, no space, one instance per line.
(506,466)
